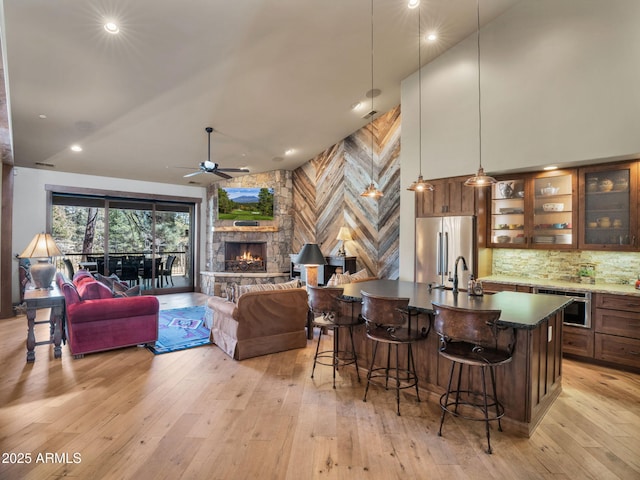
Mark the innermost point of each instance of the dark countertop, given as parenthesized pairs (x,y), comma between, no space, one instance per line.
(519,310)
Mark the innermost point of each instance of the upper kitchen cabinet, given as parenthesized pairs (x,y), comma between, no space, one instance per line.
(609,219)
(449,197)
(508,213)
(535,211)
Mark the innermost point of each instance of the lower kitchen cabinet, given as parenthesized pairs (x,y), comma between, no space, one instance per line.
(614,336)
(618,350)
(617,329)
(577,341)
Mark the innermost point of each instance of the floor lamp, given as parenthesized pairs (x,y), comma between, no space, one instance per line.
(310,256)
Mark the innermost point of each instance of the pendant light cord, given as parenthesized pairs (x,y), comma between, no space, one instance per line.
(371,93)
(419,94)
(479,90)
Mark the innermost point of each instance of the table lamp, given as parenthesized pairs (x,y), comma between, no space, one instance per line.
(42,248)
(310,256)
(343,235)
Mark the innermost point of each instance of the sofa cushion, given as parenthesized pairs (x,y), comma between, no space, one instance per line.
(262,287)
(342,278)
(70,293)
(339,279)
(93,290)
(80,274)
(107,281)
(359,275)
(120,290)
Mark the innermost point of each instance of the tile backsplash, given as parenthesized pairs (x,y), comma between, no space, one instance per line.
(611,267)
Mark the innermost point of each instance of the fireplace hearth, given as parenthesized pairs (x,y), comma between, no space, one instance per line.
(245,256)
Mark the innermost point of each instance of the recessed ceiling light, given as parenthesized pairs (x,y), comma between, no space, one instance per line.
(42,115)
(290,151)
(112,27)
(277,159)
(413,3)
(76,148)
(357,106)
(550,167)
(432,37)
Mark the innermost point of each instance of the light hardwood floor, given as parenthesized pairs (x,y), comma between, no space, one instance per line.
(198,414)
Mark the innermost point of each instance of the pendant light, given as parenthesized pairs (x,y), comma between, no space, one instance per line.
(479,179)
(419,185)
(371,191)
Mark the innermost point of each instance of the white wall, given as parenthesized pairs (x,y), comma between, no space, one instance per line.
(30,202)
(559,85)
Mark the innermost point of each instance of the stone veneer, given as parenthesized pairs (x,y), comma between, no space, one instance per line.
(618,268)
(277,233)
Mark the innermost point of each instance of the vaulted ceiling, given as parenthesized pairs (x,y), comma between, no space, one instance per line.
(276,79)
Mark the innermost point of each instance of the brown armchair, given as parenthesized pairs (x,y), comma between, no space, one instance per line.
(262,322)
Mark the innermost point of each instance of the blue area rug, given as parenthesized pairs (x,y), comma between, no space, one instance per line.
(179,329)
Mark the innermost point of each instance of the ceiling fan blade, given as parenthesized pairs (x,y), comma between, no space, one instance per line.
(221,174)
(192,174)
(243,170)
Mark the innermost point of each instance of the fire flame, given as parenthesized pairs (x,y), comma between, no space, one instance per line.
(248,257)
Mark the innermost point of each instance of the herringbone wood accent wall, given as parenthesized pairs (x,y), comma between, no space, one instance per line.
(326,196)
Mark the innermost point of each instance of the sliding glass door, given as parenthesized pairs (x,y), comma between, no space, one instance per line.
(145,243)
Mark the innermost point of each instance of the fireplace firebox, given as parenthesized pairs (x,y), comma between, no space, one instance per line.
(245,256)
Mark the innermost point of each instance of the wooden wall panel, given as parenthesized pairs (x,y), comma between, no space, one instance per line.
(304,206)
(327,196)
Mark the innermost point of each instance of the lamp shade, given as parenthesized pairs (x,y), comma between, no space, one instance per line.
(42,246)
(310,254)
(344,234)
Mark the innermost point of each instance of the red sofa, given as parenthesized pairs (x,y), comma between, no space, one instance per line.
(98,321)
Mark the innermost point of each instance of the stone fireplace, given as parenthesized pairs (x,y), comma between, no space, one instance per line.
(245,256)
(273,237)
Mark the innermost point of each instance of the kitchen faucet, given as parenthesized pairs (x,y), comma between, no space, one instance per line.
(455,274)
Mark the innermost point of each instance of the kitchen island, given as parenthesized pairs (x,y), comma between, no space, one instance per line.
(527,386)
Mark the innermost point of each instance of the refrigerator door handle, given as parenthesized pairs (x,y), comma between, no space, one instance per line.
(439,253)
(446,253)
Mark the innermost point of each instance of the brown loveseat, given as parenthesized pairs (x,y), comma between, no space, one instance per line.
(262,322)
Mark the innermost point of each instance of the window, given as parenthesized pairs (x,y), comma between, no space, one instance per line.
(136,239)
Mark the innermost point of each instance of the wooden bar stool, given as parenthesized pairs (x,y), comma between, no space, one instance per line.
(326,307)
(388,320)
(472,338)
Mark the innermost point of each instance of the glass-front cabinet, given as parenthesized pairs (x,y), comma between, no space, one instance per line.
(535,211)
(553,210)
(609,218)
(508,212)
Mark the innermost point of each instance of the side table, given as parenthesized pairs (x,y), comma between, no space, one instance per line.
(37,299)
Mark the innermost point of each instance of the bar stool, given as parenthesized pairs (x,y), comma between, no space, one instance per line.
(388,320)
(326,307)
(473,338)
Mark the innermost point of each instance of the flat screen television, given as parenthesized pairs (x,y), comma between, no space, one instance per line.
(245,203)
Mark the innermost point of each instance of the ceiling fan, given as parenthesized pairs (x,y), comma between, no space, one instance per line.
(212,167)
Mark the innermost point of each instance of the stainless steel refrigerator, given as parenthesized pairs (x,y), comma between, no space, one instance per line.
(439,241)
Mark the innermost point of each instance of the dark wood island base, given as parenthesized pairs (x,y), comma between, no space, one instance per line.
(527,386)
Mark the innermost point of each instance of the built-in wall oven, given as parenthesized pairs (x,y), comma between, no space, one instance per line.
(578,312)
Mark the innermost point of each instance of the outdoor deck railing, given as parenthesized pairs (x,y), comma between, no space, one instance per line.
(179,265)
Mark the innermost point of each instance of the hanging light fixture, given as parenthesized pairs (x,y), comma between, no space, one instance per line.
(371,191)
(419,185)
(479,179)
